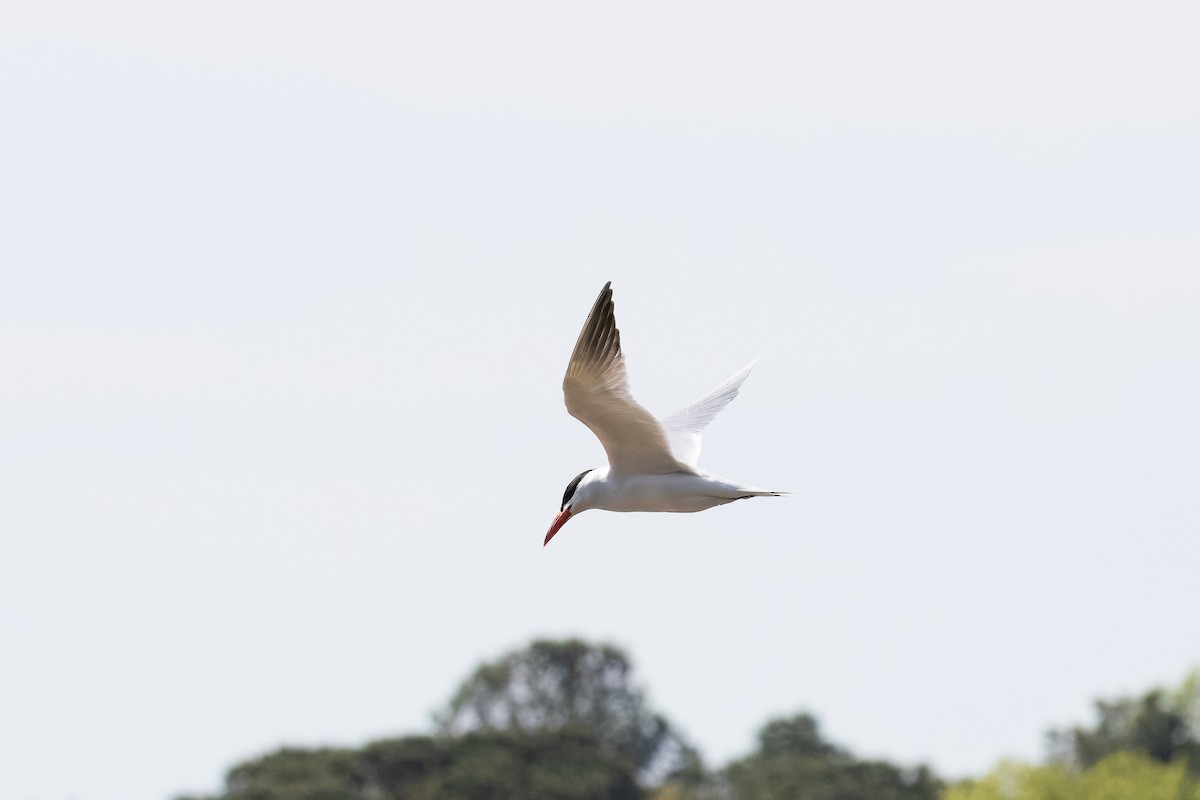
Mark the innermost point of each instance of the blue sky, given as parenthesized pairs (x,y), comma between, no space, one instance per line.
(289,289)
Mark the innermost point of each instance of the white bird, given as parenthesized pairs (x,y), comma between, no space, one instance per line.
(651,462)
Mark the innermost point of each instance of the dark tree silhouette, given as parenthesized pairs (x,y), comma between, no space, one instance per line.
(559,685)
(1162,724)
(794,762)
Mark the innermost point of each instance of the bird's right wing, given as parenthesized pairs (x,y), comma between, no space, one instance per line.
(596,391)
(684,427)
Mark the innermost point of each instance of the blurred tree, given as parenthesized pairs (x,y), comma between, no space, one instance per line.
(555,721)
(562,720)
(794,762)
(405,768)
(558,685)
(298,774)
(1162,724)
(1122,776)
(798,736)
(569,764)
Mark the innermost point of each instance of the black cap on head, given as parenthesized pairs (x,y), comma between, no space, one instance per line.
(571,487)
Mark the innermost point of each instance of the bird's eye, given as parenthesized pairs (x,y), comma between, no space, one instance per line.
(571,487)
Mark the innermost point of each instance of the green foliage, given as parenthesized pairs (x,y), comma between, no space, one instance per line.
(556,721)
(794,762)
(1122,776)
(1162,724)
(798,736)
(292,774)
(568,765)
(562,720)
(555,685)
(296,774)
(405,768)
(492,765)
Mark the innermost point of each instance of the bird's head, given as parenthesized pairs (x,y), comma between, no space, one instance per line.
(575,501)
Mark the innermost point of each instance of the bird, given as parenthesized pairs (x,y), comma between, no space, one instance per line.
(651,462)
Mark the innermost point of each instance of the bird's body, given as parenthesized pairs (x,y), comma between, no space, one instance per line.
(651,462)
(682,492)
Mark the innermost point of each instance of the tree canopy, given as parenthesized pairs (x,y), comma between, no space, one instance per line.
(557,685)
(794,762)
(1120,776)
(564,720)
(1163,724)
(1140,748)
(557,720)
(494,765)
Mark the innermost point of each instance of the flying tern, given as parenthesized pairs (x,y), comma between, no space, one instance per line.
(651,462)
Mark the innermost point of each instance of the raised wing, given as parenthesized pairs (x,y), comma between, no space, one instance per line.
(685,426)
(596,390)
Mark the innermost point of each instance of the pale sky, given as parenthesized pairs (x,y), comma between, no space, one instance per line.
(288,290)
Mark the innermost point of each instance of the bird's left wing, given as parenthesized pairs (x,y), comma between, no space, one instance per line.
(685,426)
(596,391)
